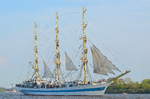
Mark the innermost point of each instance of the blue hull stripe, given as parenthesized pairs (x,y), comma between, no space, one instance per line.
(73,90)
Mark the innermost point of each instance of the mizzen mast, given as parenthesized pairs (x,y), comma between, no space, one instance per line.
(57,60)
(84,58)
(36,76)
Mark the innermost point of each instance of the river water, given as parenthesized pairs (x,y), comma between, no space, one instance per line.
(8,95)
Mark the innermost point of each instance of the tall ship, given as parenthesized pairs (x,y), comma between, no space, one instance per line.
(38,85)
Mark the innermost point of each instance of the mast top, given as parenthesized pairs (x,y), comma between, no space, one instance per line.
(84,23)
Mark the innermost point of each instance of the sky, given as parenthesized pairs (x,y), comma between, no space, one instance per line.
(119,28)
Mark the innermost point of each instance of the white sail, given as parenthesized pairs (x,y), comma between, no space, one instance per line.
(69,63)
(47,72)
(101,63)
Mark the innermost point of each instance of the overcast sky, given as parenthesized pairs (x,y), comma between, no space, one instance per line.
(119,28)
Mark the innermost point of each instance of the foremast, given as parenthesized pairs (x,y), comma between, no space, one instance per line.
(57,59)
(84,58)
(36,76)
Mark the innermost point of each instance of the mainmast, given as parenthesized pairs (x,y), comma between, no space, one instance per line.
(85,49)
(57,60)
(36,75)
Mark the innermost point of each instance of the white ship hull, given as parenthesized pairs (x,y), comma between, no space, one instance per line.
(80,90)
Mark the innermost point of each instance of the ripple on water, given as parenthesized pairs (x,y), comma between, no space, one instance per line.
(11,95)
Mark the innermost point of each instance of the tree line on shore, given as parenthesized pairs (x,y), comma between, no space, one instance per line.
(2,89)
(128,86)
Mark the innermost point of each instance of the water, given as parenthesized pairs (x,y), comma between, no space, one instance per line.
(107,96)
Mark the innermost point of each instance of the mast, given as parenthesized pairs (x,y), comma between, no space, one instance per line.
(85,49)
(57,60)
(36,75)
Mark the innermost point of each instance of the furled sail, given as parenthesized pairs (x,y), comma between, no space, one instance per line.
(69,63)
(101,63)
(47,72)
